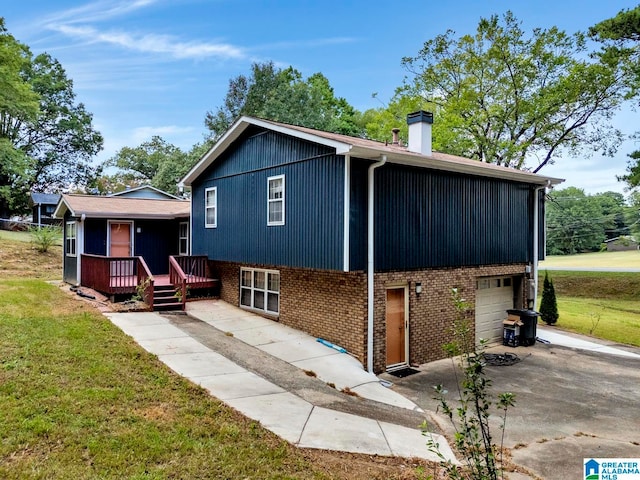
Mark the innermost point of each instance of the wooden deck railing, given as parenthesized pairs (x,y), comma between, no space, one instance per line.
(145,280)
(190,272)
(178,278)
(117,275)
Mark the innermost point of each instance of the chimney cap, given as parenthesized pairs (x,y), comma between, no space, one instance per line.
(419,116)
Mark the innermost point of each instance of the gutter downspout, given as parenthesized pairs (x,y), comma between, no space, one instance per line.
(536,229)
(370,259)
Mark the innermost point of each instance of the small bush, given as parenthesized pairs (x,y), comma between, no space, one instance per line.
(45,237)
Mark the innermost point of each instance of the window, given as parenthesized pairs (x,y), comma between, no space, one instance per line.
(183,238)
(260,289)
(71,236)
(275,200)
(210,207)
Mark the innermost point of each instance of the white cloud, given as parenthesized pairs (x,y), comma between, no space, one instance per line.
(98,11)
(151,43)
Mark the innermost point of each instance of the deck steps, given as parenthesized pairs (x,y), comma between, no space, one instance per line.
(164,298)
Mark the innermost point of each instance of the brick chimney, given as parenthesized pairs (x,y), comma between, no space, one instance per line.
(420,132)
(396,138)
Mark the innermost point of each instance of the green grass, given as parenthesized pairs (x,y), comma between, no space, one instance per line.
(628,259)
(81,400)
(15,236)
(605,305)
(617,321)
(25,237)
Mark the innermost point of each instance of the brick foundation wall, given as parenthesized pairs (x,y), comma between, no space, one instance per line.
(333,305)
(431,313)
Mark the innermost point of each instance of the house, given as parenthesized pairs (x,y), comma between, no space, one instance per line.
(144,191)
(118,244)
(621,244)
(359,242)
(42,207)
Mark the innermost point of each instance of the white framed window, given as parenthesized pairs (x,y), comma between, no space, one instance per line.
(275,200)
(260,289)
(71,239)
(183,238)
(211,207)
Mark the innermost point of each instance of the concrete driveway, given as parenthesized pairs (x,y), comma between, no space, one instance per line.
(570,404)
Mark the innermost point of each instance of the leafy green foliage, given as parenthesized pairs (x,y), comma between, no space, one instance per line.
(155,162)
(470,418)
(577,222)
(620,38)
(46,138)
(504,97)
(45,237)
(548,304)
(284,96)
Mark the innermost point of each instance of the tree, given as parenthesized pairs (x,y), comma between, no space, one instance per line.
(632,178)
(283,95)
(507,97)
(155,162)
(612,210)
(620,36)
(54,141)
(548,304)
(18,104)
(575,222)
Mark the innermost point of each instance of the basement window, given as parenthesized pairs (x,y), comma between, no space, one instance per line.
(260,290)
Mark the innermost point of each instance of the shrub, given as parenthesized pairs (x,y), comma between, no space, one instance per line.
(548,304)
(45,237)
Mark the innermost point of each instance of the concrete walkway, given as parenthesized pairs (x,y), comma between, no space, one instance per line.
(276,386)
(566,339)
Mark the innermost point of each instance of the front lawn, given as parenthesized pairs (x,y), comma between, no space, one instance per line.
(79,399)
(602,304)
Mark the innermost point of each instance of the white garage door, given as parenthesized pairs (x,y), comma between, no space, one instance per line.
(494,296)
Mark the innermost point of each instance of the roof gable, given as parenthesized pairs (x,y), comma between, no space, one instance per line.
(94,206)
(144,191)
(366,149)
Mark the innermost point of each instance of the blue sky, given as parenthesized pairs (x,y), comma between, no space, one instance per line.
(155,67)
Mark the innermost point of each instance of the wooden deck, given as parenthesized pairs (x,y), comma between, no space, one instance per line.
(130,275)
(131,282)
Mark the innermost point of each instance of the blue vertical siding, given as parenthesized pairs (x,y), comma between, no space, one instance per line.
(427,218)
(95,236)
(313,230)
(156,240)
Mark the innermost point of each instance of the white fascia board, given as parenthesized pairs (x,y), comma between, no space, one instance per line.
(240,126)
(61,208)
(481,169)
(341,147)
(121,216)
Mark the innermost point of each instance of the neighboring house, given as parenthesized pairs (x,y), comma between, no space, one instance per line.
(359,242)
(145,191)
(42,207)
(620,244)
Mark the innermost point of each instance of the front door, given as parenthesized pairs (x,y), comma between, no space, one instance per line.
(119,239)
(119,245)
(396,319)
